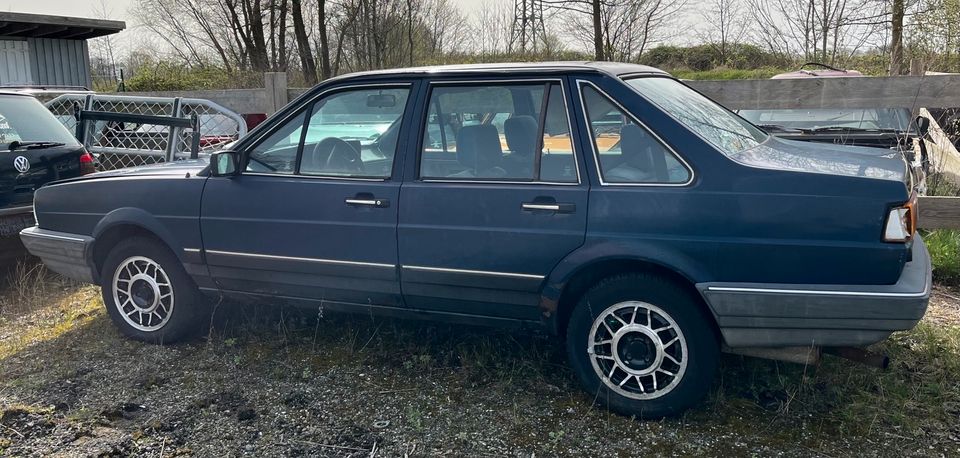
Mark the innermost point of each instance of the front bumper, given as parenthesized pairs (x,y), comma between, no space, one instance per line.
(786,315)
(67,254)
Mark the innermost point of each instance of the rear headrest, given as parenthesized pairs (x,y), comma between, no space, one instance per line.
(521,133)
(635,147)
(478,147)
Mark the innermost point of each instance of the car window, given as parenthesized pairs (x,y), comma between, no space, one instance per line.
(726,131)
(346,134)
(626,151)
(24,119)
(498,133)
(278,152)
(354,133)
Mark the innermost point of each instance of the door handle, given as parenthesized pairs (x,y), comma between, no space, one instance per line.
(556,207)
(367,201)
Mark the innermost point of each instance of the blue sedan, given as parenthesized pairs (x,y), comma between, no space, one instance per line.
(607,203)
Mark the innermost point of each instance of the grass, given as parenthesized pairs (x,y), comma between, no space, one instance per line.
(314,384)
(944,247)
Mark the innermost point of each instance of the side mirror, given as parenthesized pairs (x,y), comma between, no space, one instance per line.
(225,164)
(923,125)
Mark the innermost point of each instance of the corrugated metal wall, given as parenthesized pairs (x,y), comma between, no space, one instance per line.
(59,62)
(14,62)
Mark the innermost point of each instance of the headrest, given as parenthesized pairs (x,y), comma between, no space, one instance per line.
(635,146)
(521,132)
(478,147)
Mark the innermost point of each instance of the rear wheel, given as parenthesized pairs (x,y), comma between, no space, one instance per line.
(642,345)
(147,293)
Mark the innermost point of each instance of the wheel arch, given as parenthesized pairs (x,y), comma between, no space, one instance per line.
(587,266)
(123,223)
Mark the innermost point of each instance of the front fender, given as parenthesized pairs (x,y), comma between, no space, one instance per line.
(593,254)
(131,216)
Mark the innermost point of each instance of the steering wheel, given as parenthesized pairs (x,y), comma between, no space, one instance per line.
(340,157)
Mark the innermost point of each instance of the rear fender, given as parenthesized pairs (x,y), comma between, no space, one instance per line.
(594,254)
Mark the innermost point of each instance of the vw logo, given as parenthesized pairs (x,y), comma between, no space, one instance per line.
(21,164)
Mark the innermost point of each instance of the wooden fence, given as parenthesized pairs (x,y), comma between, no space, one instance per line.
(915,92)
(932,91)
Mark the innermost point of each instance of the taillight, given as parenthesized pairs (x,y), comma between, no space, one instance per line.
(87,163)
(901,222)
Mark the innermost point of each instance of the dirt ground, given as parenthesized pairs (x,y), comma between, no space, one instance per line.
(285,382)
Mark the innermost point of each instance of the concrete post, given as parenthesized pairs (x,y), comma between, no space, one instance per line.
(275,84)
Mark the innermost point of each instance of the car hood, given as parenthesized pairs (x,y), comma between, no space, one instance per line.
(177,168)
(832,159)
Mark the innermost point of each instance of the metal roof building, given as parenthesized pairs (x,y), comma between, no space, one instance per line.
(44,50)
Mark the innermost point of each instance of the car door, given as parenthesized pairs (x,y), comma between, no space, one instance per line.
(495,199)
(313,215)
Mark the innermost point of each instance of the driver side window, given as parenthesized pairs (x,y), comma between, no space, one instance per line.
(350,133)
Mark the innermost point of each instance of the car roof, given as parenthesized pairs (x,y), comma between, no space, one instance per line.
(4,92)
(610,68)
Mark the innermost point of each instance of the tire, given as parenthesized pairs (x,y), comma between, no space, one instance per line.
(680,359)
(148,295)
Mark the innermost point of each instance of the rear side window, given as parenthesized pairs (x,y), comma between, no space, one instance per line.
(499,133)
(24,119)
(628,153)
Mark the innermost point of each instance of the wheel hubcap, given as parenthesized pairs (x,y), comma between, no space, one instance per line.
(142,293)
(638,350)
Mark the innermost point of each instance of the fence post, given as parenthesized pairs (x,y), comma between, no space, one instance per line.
(173,134)
(275,84)
(83,127)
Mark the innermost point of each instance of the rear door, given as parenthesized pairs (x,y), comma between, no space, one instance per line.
(313,216)
(495,199)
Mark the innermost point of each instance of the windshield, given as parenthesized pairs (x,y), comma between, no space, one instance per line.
(24,119)
(895,119)
(728,132)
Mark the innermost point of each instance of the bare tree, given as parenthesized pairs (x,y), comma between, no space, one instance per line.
(725,25)
(626,28)
(823,30)
(491,27)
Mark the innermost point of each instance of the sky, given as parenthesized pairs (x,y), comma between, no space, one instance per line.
(119,9)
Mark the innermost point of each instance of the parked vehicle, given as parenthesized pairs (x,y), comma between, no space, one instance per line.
(34,150)
(607,203)
(879,127)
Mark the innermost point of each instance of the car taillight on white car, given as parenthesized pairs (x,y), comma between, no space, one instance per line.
(901,222)
(87,163)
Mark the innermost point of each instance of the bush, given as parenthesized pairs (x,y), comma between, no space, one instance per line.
(171,76)
(706,57)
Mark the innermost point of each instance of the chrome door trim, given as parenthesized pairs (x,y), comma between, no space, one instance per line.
(302,259)
(474,272)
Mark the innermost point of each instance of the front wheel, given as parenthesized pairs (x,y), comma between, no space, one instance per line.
(642,345)
(147,293)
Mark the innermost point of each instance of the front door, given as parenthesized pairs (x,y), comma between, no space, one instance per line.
(314,213)
(494,201)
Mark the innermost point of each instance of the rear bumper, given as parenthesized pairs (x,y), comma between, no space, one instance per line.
(67,254)
(781,315)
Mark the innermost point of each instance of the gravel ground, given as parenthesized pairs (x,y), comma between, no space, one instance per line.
(283,382)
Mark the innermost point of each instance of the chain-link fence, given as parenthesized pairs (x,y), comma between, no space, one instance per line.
(118,144)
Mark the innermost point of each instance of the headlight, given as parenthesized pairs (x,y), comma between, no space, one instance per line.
(901,222)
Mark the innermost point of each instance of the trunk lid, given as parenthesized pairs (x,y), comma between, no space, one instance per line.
(827,158)
(22,171)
